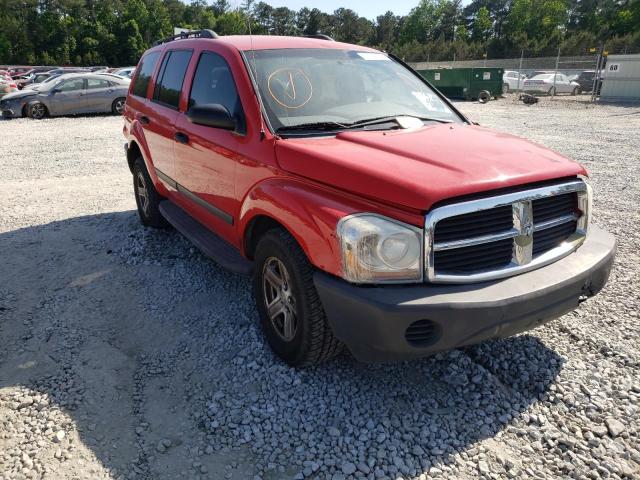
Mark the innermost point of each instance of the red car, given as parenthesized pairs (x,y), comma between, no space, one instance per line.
(371,213)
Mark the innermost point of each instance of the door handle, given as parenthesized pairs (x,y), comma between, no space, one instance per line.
(144,120)
(181,137)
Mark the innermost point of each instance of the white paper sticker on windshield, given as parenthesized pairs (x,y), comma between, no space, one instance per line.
(373,56)
(486,75)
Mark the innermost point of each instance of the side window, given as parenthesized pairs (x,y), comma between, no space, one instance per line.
(97,83)
(71,85)
(213,83)
(143,77)
(171,77)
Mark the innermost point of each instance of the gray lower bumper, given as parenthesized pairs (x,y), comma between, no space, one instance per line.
(373,321)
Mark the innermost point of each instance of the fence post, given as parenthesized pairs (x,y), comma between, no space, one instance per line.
(520,68)
(556,72)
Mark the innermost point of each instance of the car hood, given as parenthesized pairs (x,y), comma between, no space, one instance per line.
(20,94)
(418,168)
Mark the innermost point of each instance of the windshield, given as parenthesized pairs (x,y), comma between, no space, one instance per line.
(312,86)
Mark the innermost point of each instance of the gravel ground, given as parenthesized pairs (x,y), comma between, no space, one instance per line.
(126,354)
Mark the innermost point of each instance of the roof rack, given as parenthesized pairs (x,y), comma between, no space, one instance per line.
(320,36)
(185,35)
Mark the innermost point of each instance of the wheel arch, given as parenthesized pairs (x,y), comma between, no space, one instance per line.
(308,214)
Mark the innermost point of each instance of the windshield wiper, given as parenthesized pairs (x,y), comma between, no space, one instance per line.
(323,126)
(391,118)
(331,126)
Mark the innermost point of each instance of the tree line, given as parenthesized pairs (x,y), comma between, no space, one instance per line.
(117,32)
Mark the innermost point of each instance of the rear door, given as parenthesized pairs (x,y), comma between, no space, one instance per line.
(99,95)
(68,97)
(162,111)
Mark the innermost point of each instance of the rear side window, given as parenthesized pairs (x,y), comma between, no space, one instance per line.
(171,77)
(145,70)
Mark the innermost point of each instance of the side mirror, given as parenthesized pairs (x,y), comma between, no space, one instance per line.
(211,115)
(54,91)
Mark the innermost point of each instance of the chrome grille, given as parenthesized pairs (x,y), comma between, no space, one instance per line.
(507,234)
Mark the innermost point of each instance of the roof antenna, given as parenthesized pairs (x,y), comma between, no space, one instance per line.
(255,69)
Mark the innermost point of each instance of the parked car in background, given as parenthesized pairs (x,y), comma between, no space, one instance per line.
(545,83)
(63,70)
(512,81)
(69,94)
(33,79)
(125,72)
(586,79)
(36,86)
(7,86)
(539,72)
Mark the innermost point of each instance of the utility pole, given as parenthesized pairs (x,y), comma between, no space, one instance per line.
(520,67)
(556,72)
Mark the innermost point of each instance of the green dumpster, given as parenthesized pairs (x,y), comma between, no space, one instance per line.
(466,83)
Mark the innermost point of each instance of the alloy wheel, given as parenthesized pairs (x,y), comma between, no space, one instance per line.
(143,194)
(119,107)
(37,111)
(278,298)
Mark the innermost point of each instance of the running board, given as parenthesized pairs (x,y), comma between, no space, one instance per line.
(205,240)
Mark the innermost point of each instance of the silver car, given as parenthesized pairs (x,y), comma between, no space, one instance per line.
(69,94)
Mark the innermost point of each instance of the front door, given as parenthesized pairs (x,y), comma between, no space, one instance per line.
(68,97)
(206,157)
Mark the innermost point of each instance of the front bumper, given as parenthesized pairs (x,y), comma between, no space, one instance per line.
(373,321)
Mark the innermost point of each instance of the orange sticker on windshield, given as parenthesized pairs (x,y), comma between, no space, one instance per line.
(290,87)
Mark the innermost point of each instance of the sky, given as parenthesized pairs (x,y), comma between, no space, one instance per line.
(365,8)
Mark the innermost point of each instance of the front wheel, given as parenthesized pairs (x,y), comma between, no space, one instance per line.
(552,92)
(117,107)
(575,91)
(38,111)
(291,314)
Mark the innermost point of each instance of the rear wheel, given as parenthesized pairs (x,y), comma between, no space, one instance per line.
(505,88)
(484,96)
(552,91)
(117,107)
(147,198)
(291,314)
(38,110)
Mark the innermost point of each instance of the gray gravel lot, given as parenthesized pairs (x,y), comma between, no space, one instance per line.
(124,353)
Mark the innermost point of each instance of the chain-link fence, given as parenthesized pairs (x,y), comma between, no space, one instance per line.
(524,65)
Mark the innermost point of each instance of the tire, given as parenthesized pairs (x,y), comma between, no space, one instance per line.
(147,198)
(505,88)
(117,107)
(575,91)
(37,111)
(484,96)
(283,272)
(552,92)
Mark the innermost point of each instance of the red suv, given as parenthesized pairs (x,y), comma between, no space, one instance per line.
(370,212)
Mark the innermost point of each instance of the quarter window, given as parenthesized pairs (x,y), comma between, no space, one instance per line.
(96,83)
(213,83)
(171,77)
(143,77)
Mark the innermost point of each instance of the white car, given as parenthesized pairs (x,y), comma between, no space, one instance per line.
(510,81)
(545,83)
(125,72)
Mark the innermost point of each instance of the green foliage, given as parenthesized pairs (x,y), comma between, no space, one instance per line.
(117,32)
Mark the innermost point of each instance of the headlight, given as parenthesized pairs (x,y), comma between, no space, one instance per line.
(584,205)
(376,249)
